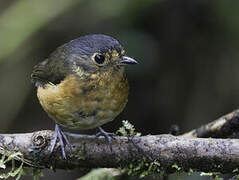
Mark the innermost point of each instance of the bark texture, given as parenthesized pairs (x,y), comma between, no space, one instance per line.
(217,155)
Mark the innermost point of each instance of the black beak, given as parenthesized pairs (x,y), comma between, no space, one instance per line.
(128,60)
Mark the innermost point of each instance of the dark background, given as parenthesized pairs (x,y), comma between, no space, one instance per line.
(187,52)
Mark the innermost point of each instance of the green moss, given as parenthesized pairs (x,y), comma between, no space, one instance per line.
(190,171)
(176,167)
(37,173)
(14,172)
(235,170)
(127,129)
(236,177)
(17,172)
(179,171)
(214,175)
(142,168)
(81,155)
(102,174)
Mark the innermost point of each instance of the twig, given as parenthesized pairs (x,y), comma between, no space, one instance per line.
(225,127)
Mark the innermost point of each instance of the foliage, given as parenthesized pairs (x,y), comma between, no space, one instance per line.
(213,175)
(18,172)
(143,168)
(102,174)
(14,172)
(127,129)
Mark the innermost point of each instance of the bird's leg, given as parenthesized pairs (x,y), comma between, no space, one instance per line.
(108,136)
(62,139)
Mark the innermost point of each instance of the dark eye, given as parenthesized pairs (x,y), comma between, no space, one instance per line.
(99,59)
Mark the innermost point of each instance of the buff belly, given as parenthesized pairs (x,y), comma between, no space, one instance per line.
(78,104)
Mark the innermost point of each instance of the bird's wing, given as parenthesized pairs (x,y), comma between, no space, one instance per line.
(47,71)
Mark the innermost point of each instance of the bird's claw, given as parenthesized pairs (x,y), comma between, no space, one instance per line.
(59,134)
(108,136)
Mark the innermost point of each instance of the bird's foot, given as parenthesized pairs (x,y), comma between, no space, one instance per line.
(108,136)
(59,134)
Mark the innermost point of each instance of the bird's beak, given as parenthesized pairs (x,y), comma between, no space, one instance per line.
(128,60)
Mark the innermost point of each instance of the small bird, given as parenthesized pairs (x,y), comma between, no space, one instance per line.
(83,84)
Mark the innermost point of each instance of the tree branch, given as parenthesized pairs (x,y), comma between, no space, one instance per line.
(225,127)
(164,151)
(150,154)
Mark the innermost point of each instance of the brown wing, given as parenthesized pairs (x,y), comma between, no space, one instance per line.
(49,70)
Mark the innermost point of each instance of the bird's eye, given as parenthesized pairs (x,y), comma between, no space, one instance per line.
(99,58)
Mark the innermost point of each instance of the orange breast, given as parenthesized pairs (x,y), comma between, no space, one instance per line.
(85,103)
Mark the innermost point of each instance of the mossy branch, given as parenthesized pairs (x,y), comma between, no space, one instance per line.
(220,155)
(152,154)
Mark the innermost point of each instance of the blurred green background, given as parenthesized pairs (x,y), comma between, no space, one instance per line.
(187,52)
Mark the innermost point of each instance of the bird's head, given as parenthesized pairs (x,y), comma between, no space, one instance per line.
(86,55)
(93,53)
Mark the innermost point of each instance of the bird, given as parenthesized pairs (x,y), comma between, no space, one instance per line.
(83,85)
